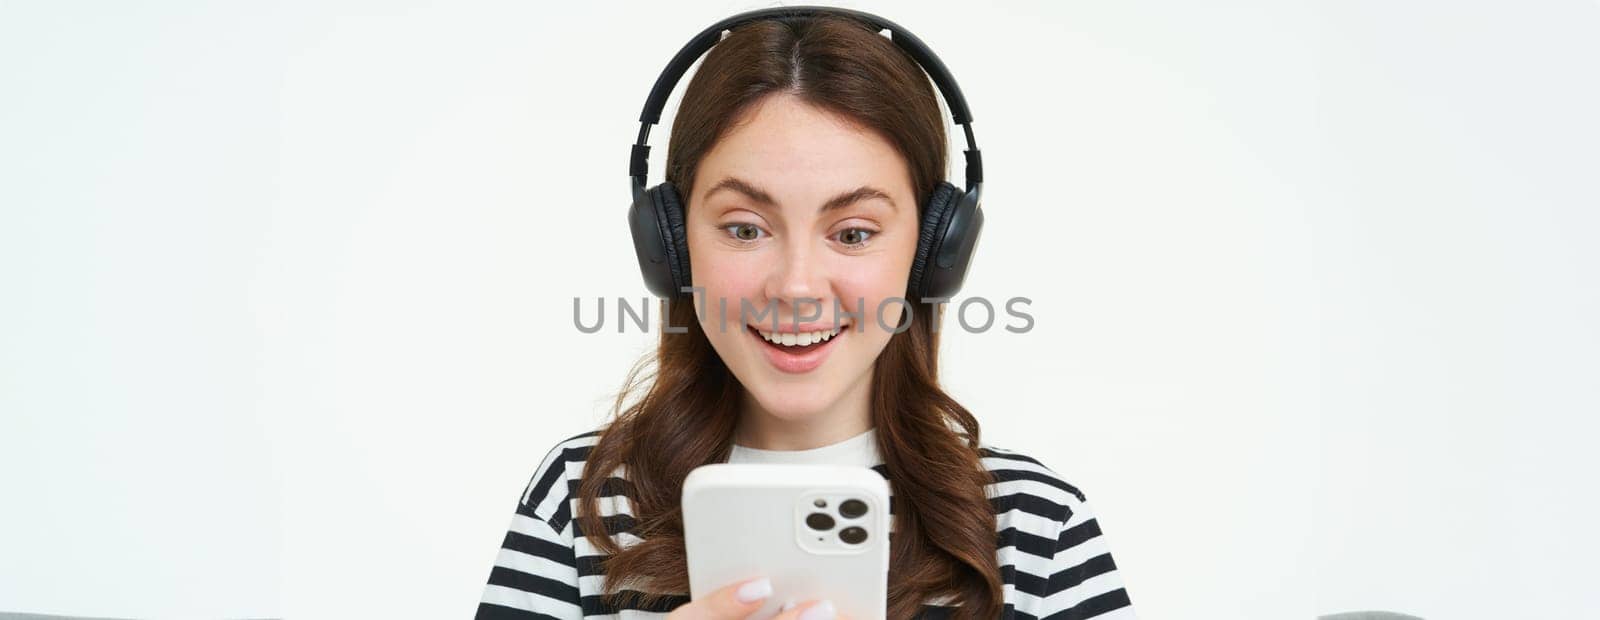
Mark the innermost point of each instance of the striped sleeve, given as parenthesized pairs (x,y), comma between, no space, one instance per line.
(535,574)
(1083,578)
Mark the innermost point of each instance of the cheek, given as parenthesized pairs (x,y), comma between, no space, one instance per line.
(725,282)
(879,276)
(864,290)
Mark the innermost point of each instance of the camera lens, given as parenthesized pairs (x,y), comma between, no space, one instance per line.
(853,535)
(852,508)
(819,521)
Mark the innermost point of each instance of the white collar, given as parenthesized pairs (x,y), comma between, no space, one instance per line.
(861,450)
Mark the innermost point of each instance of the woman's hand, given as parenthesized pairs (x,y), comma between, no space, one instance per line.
(738,600)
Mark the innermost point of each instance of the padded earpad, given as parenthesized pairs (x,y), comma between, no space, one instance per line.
(670,209)
(935,218)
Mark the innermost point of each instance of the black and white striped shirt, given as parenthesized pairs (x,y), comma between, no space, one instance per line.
(1053,560)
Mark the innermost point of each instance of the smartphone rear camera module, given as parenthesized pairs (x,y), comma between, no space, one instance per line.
(853,535)
(853,508)
(821,522)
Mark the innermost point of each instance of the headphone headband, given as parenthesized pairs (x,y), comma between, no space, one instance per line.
(638,164)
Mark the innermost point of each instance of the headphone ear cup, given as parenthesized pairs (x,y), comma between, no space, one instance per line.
(935,219)
(670,208)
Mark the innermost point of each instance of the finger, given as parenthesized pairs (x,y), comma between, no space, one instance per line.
(810,610)
(734,601)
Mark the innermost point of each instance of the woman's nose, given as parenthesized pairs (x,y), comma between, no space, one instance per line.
(800,273)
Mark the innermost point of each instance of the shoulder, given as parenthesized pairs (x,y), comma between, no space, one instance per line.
(1024,483)
(1051,538)
(548,488)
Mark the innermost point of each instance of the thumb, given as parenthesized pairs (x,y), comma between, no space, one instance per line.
(734,601)
(810,610)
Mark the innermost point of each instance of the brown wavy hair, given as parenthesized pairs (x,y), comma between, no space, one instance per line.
(944,541)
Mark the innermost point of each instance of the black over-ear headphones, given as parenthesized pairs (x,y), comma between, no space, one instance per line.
(950,222)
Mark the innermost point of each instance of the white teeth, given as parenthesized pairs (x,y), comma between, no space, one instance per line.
(799,340)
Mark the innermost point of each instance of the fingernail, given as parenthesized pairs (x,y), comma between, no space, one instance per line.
(755,590)
(819,611)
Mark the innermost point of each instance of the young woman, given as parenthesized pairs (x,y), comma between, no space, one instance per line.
(806,149)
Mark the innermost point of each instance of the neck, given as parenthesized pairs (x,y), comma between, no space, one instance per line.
(764,430)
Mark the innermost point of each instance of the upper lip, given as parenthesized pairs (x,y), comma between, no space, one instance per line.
(788,327)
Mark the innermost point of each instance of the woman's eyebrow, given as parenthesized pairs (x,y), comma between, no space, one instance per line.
(853,196)
(764,199)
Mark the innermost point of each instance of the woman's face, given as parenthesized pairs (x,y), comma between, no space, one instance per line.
(797,203)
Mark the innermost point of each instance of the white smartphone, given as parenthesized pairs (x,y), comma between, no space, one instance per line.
(818,531)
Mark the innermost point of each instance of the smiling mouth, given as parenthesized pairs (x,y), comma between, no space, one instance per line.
(789,351)
(801,340)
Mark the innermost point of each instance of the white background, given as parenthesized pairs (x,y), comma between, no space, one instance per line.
(285,292)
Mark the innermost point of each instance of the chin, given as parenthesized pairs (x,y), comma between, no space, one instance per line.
(791,403)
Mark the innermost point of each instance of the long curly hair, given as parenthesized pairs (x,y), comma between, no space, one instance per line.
(943,545)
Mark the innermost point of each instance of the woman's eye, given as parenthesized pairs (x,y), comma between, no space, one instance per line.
(750,233)
(744,232)
(854,236)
